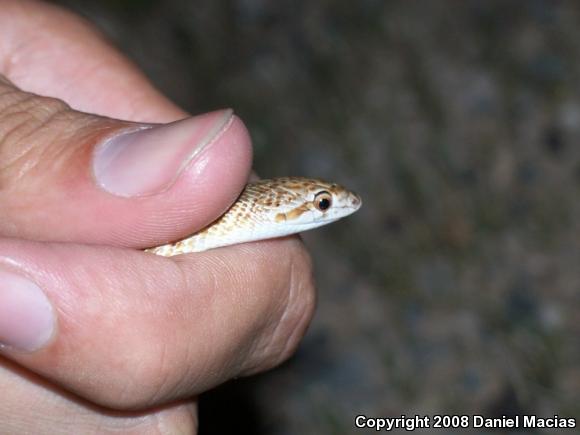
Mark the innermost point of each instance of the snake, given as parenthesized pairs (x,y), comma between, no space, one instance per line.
(269,209)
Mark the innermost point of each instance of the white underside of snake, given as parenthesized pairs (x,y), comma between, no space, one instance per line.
(268,209)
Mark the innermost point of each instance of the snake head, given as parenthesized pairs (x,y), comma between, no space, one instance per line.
(306,203)
(270,208)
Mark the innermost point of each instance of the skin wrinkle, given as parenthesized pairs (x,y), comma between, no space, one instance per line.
(261,347)
(243,297)
(271,326)
(8,110)
(304,317)
(15,137)
(215,282)
(7,163)
(189,356)
(163,384)
(136,377)
(164,362)
(274,336)
(113,419)
(32,157)
(305,311)
(149,374)
(276,344)
(186,279)
(244,351)
(13,92)
(208,295)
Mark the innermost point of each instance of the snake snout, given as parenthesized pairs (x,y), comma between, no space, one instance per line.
(355,201)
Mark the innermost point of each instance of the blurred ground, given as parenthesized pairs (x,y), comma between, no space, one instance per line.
(455,290)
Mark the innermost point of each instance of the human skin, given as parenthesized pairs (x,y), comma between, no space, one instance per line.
(95,334)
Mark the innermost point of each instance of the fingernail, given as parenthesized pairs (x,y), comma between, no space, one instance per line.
(26,316)
(148,160)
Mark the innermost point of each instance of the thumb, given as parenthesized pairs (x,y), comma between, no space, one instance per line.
(72,176)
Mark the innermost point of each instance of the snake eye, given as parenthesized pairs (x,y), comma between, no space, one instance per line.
(323,200)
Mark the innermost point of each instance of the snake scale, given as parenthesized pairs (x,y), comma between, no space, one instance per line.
(268,209)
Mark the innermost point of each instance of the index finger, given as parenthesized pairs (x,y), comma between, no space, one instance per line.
(49,51)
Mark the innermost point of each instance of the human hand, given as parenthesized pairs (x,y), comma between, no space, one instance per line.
(97,336)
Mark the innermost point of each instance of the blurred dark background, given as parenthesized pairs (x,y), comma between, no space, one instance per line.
(455,289)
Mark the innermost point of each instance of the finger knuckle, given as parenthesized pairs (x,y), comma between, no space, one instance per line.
(28,123)
(295,310)
(301,303)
